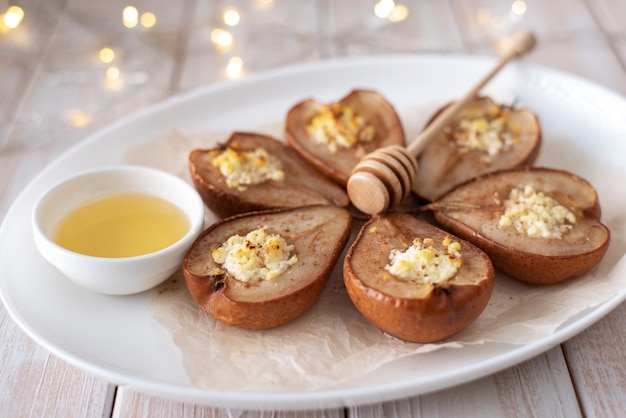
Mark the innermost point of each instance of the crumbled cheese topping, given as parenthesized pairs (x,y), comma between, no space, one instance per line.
(486,132)
(244,168)
(421,263)
(339,126)
(256,257)
(536,214)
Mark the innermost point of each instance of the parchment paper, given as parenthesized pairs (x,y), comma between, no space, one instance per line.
(332,342)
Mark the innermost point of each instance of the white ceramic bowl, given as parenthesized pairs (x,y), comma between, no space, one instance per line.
(124,275)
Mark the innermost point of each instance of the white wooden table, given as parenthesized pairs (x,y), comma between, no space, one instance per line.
(52,96)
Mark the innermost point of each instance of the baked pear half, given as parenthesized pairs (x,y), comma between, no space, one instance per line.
(415,281)
(333,137)
(484,137)
(252,172)
(538,225)
(263,269)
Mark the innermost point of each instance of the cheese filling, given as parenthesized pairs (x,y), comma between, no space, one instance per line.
(536,214)
(421,263)
(338,126)
(486,131)
(245,168)
(256,257)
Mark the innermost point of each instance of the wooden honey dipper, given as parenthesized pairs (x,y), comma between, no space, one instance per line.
(384,177)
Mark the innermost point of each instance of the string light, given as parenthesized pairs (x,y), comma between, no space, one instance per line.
(221,38)
(231,16)
(130,16)
(78,118)
(398,14)
(148,20)
(106,55)
(518,8)
(388,9)
(12,18)
(234,67)
(497,25)
(113,79)
(113,73)
(383,8)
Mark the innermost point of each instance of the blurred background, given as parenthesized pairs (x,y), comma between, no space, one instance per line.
(70,66)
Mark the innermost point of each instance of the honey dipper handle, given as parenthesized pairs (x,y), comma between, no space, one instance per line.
(520,44)
(385,176)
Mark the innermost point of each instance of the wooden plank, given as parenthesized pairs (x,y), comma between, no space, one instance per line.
(597,362)
(68,92)
(568,36)
(130,403)
(484,21)
(594,59)
(596,356)
(33,382)
(283,34)
(269,34)
(74,91)
(610,15)
(357,28)
(539,387)
(620,50)
(22,47)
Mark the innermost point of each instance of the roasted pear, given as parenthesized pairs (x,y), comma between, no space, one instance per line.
(484,137)
(538,225)
(415,281)
(334,137)
(252,172)
(262,269)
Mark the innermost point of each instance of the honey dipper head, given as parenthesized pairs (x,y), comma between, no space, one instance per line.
(382,179)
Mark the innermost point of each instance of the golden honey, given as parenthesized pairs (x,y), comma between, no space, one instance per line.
(124,225)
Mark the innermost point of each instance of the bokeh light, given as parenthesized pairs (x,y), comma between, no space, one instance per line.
(234,68)
(13,17)
(113,73)
(399,13)
(221,38)
(78,118)
(148,20)
(518,8)
(388,9)
(106,55)
(231,16)
(130,16)
(383,8)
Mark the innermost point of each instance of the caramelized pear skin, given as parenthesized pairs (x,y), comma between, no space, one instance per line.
(318,233)
(414,312)
(370,105)
(302,185)
(443,164)
(473,211)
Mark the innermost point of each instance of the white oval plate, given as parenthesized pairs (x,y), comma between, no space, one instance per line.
(117,338)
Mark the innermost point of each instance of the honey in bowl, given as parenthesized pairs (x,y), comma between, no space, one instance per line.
(123,225)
